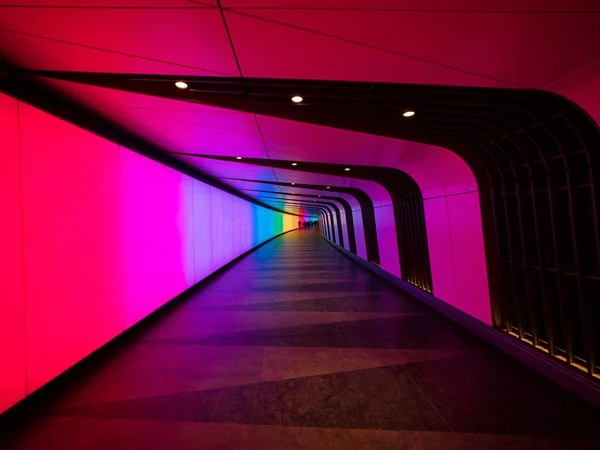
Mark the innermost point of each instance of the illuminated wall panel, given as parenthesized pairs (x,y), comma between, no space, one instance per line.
(144,235)
(202,230)
(387,239)
(245,230)
(334,226)
(258,216)
(439,241)
(288,222)
(72,243)
(237,234)
(454,229)
(12,308)
(361,248)
(217,237)
(345,230)
(93,238)
(471,278)
(227,214)
(180,232)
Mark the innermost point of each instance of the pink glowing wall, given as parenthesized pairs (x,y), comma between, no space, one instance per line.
(93,238)
(12,309)
(454,229)
(387,240)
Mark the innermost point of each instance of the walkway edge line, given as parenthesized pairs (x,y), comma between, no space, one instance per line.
(570,379)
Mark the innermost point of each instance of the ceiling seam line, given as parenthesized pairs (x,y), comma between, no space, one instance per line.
(381,49)
(202,3)
(574,71)
(431,11)
(114,52)
(117,8)
(230,39)
(239,66)
(265,147)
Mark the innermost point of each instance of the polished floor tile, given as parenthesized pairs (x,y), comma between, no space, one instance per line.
(296,347)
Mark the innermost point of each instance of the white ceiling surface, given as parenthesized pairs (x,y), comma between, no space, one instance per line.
(551,44)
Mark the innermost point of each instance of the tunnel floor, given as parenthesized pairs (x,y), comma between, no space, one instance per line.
(296,346)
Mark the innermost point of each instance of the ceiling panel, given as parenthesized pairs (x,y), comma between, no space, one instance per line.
(287,139)
(214,120)
(440,5)
(160,41)
(175,125)
(184,142)
(583,87)
(224,170)
(103,3)
(253,185)
(267,49)
(415,47)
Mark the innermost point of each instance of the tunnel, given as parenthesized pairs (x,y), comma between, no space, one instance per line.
(286,224)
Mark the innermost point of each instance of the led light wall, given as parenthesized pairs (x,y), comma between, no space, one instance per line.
(93,238)
(12,309)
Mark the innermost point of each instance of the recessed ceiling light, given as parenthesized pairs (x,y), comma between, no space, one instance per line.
(328,187)
(293,184)
(408,113)
(294,164)
(181,85)
(238,157)
(297,99)
(347,169)
(319,196)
